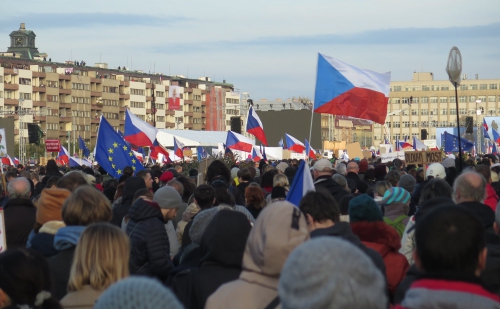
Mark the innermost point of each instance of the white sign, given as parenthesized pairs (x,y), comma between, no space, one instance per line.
(3,240)
(430,143)
(390,156)
(3,143)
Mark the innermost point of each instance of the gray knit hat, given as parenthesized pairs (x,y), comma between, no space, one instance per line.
(168,198)
(407,182)
(342,276)
(137,293)
(200,223)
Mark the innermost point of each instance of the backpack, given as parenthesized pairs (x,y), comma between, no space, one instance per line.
(397,224)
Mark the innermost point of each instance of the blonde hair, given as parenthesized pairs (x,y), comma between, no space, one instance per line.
(381,187)
(101,258)
(85,206)
(280,180)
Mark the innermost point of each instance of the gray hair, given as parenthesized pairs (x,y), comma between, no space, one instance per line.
(341,180)
(467,189)
(341,168)
(19,188)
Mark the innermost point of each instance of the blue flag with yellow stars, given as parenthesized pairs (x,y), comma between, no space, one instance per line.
(112,152)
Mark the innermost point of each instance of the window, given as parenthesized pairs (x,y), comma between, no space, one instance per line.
(137,104)
(425,100)
(443,100)
(406,124)
(1,79)
(52,98)
(395,124)
(434,99)
(396,101)
(197,97)
(464,87)
(160,118)
(483,86)
(445,87)
(416,88)
(137,91)
(159,106)
(1,94)
(110,102)
(414,112)
(24,81)
(444,111)
(424,111)
(473,87)
(425,88)
(491,98)
(52,84)
(9,94)
(462,111)
(397,88)
(414,124)
(493,86)
(160,94)
(78,86)
(453,111)
(416,100)
(25,96)
(472,98)
(452,100)
(228,100)
(110,89)
(462,99)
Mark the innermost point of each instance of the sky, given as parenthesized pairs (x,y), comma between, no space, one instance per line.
(268,48)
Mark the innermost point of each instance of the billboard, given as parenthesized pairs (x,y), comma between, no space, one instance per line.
(7,139)
(294,122)
(174,98)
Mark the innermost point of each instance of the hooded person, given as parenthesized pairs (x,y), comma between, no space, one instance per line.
(222,246)
(342,276)
(396,205)
(367,223)
(187,216)
(278,230)
(132,184)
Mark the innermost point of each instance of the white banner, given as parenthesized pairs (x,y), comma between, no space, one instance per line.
(3,143)
(390,156)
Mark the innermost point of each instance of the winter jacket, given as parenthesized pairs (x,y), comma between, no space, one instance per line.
(149,245)
(386,241)
(277,231)
(408,241)
(327,182)
(20,217)
(444,291)
(484,213)
(43,241)
(254,210)
(415,197)
(178,217)
(394,210)
(222,247)
(491,197)
(132,184)
(38,189)
(343,230)
(241,190)
(47,176)
(187,216)
(83,299)
(65,242)
(355,183)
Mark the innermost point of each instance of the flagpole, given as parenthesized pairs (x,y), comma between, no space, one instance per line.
(312,107)
(458,128)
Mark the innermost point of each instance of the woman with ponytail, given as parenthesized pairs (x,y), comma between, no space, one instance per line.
(25,281)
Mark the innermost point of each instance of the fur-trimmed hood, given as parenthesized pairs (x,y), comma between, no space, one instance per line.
(384,237)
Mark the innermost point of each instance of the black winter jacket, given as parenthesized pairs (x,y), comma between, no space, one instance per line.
(20,217)
(149,246)
(60,267)
(327,182)
(132,185)
(355,183)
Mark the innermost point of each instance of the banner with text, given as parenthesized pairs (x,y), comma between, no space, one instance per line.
(52,145)
(174,98)
(390,156)
(423,157)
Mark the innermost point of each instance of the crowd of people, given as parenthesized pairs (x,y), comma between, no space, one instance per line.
(371,235)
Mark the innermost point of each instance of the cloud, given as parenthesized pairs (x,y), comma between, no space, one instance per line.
(82,20)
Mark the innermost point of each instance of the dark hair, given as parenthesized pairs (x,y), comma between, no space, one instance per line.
(370,174)
(52,167)
(111,183)
(245,174)
(143,174)
(52,181)
(254,196)
(71,181)
(484,170)
(344,204)
(222,196)
(253,171)
(217,168)
(141,192)
(393,177)
(449,238)
(320,206)
(420,175)
(436,187)
(24,273)
(11,174)
(204,195)
(267,179)
(127,170)
(189,187)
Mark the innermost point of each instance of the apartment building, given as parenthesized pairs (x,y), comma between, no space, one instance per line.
(419,106)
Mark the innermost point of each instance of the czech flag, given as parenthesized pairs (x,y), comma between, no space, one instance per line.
(75,161)
(310,152)
(302,183)
(178,146)
(255,127)
(138,132)
(7,161)
(16,161)
(156,150)
(485,130)
(342,89)
(405,145)
(238,142)
(255,157)
(496,136)
(138,155)
(227,151)
(63,156)
(418,144)
(294,144)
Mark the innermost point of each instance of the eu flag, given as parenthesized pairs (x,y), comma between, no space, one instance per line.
(112,153)
(451,143)
(83,147)
(202,154)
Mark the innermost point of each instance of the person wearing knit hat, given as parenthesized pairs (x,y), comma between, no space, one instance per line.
(367,223)
(342,276)
(170,201)
(396,203)
(138,293)
(281,167)
(166,177)
(407,182)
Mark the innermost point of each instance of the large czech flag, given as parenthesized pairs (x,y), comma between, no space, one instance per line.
(178,148)
(255,156)
(63,156)
(255,127)
(342,89)
(238,142)
(294,144)
(302,183)
(138,132)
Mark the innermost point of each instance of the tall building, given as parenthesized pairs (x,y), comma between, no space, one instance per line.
(418,107)
(67,99)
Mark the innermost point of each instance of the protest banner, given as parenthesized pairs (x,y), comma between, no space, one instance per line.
(423,157)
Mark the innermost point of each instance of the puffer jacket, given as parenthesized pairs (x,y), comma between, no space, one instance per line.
(149,245)
(187,216)
(394,210)
(327,183)
(132,185)
(386,241)
(277,231)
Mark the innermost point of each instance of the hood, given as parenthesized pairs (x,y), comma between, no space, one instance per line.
(50,203)
(484,212)
(330,184)
(67,237)
(142,210)
(396,209)
(190,212)
(51,227)
(132,185)
(379,233)
(340,229)
(277,231)
(225,238)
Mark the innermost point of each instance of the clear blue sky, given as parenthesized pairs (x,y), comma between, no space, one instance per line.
(268,48)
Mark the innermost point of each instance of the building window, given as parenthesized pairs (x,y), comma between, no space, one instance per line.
(493,86)
(453,111)
(416,88)
(414,112)
(444,111)
(491,98)
(395,101)
(197,97)
(452,100)
(424,112)
(462,99)
(416,100)
(78,86)
(445,87)
(397,88)
(425,100)
(414,124)
(464,87)
(1,94)
(483,86)
(462,111)
(434,99)
(160,118)
(406,124)
(137,104)
(443,100)
(160,94)
(136,91)
(473,87)
(472,98)
(52,98)
(52,84)
(395,124)
(425,88)
(25,96)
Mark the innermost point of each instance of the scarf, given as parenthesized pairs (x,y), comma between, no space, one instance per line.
(67,237)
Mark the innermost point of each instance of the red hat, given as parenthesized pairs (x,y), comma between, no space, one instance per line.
(166,176)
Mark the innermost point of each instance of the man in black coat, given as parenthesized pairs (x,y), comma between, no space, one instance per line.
(20,213)
(322,173)
(132,185)
(355,183)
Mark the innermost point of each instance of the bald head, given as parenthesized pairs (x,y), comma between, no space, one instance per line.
(353,167)
(469,187)
(19,188)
